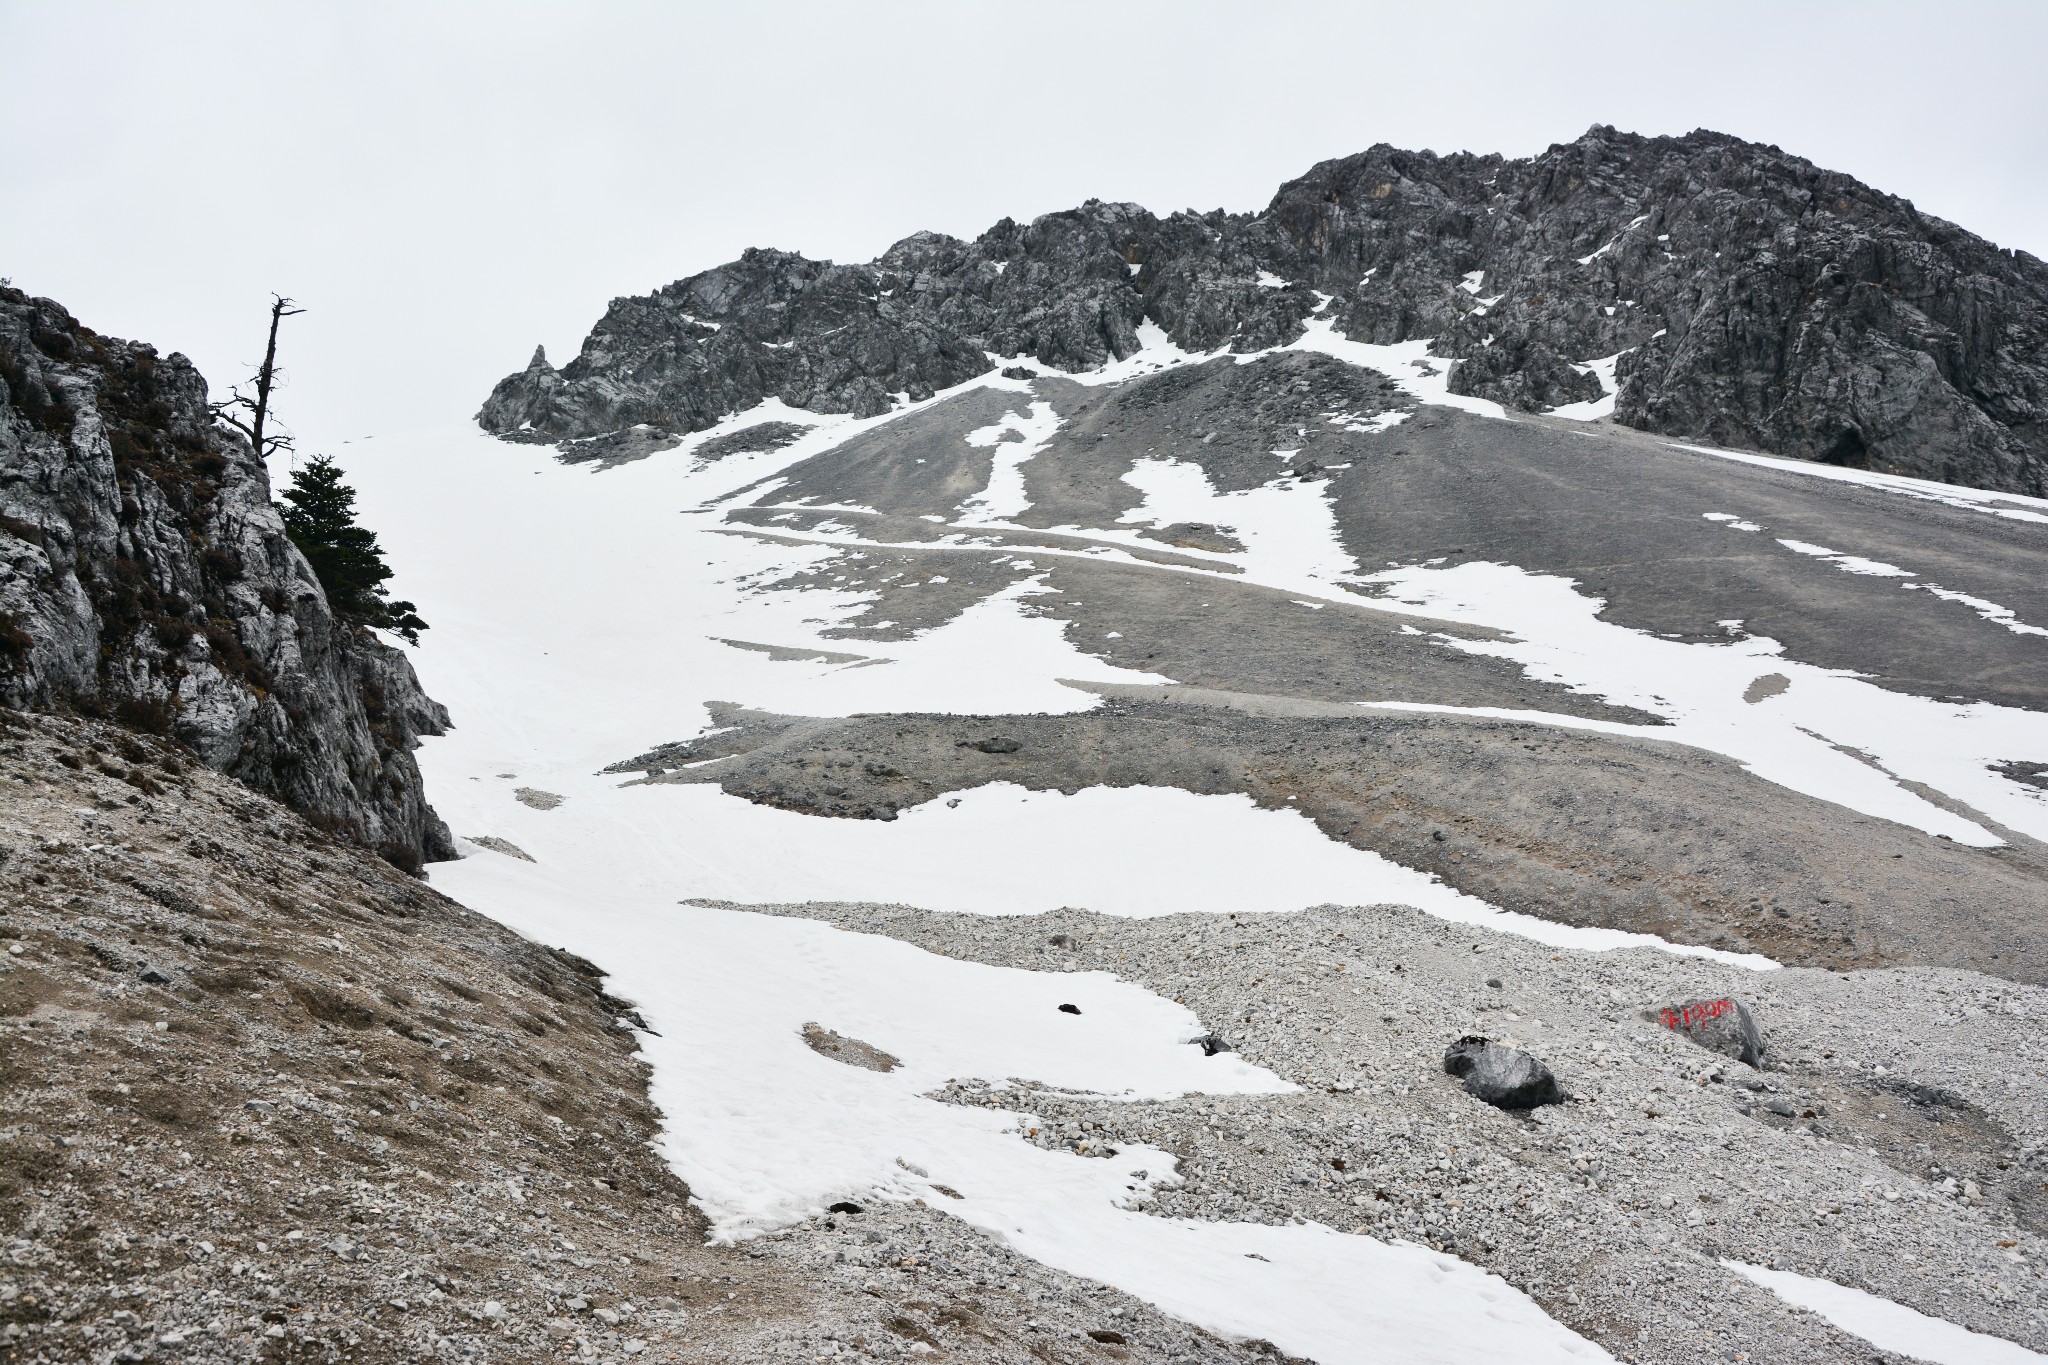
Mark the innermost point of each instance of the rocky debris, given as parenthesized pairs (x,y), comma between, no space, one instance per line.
(1612,1210)
(1724,1026)
(1504,1077)
(1195,535)
(1748,297)
(145,575)
(2024,773)
(536,798)
(336,1111)
(762,436)
(615,448)
(504,846)
(1571,827)
(851,1051)
(358,1122)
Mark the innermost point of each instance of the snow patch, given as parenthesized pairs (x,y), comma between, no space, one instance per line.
(1594,409)
(1004,499)
(1289,531)
(1990,611)
(2012,506)
(1815,738)
(1886,1325)
(1408,363)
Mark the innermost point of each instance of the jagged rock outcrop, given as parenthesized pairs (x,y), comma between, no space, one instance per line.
(145,575)
(1753,299)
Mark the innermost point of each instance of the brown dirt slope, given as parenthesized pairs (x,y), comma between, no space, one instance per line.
(264,1097)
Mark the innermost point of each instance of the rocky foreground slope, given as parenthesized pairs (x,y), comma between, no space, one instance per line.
(1744,296)
(266,1098)
(145,575)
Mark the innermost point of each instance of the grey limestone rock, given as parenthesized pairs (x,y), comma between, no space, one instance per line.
(1723,1025)
(145,575)
(1752,298)
(1504,1077)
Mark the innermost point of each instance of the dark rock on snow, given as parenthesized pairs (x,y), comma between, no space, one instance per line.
(1723,1026)
(1753,298)
(145,576)
(1504,1077)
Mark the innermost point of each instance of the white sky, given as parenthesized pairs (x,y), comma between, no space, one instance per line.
(445,185)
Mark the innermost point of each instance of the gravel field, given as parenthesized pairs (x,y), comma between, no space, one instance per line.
(1893,1139)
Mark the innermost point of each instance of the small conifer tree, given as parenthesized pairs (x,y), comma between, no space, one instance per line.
(320,517)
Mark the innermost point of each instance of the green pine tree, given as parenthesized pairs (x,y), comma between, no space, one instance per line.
(320,517)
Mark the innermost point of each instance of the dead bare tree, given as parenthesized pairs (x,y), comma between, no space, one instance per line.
(258,407)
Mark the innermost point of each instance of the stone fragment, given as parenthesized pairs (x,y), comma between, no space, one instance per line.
(1504,1077)
(851,1051)
(1720,1025)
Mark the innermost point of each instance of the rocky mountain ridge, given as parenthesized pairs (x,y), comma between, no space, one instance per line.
(1747,296)
(145,575)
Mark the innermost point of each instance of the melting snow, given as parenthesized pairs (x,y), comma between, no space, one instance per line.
(575,624)
(2012,506)
(1594,409)
(1990,611)
(1289,531)
(578,620)
(1408,363)
(1004,499)
(1831,734)
(1848,563)
(1886,1325)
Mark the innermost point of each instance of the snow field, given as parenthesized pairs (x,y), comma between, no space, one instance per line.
(577,622)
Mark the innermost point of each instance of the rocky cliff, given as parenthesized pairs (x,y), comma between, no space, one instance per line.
(1752,298)
(145,575)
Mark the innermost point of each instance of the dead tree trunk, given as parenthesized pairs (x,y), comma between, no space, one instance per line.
(258,408)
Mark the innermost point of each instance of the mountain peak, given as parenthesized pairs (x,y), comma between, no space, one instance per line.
(1744,296)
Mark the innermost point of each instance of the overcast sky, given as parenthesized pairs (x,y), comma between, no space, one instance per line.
(445,185)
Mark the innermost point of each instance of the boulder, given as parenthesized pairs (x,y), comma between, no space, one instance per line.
(1721,1025)
(1504,1077)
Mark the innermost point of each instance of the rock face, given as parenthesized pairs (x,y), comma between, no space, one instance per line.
(1750,298)
(146,576)
(1504,1077)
